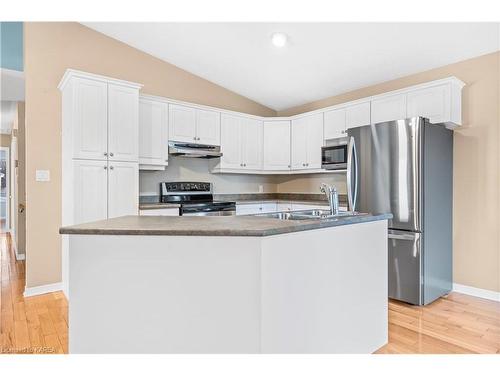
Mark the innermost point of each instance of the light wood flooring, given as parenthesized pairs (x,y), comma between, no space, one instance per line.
(455,324)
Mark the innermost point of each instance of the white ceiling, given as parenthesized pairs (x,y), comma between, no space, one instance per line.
(321,60)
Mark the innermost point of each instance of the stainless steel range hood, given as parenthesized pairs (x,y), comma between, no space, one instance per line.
(192,150)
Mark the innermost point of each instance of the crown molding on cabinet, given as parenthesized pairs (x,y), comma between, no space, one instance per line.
(73,73)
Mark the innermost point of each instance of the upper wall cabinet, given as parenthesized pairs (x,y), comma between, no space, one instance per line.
(334,124)
(104,118)
(307,139)
(433,103)
(388,108)
(357,115)
(277,145)
(187,124)
(241,144)
(153,134)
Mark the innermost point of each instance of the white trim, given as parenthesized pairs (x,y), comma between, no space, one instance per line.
(42,289)
(72,73)
(7,187)
(476,292)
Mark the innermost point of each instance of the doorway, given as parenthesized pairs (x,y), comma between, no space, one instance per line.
(4,189)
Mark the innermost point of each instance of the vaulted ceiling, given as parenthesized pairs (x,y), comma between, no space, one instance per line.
(320,60)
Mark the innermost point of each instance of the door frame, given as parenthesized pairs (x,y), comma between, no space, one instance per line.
(7,186)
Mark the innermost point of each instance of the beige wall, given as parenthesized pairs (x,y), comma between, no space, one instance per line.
(51,48)
(5,140)
(476,165)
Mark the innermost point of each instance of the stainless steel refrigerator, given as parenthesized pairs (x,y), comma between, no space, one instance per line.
(405,167)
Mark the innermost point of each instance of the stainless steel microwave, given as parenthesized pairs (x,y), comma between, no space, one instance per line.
(334,157)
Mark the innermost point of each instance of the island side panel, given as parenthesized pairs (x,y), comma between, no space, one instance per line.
(325,291)
(164,294)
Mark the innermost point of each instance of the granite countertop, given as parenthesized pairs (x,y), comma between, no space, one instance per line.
(252,226)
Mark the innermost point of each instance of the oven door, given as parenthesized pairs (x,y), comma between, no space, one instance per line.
(334,157)
(208,210)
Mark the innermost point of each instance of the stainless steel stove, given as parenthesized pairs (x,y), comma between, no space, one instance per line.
(195,198)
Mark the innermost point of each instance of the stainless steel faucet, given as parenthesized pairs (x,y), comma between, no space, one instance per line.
(333,197)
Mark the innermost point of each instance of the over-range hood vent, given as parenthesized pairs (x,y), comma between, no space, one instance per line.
(192,150)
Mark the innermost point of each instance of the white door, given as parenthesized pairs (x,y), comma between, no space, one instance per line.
(357,115)
(251,143)
(153,132)
(208,127)
(299,143)
(335,126)
(314,141)
(276,145)
(181,123)
(230,139)
(90,117)
(123,189)
(433,103)
(123,123)
(90,190)
(388,108)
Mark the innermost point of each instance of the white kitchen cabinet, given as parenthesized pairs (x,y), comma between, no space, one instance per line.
(241,144)
(256,208)
(160,212)
(89,115)
(123,123)
(433,103)
(187,124)
(153,134)
(305,206)
(251,143)
(357,115)
(208,127)
(277,145)
(388,108)
(282,206)
(335,124)
(90,189)
(123,188)
(307,139)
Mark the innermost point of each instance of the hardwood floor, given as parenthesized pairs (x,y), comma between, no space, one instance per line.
(455,324)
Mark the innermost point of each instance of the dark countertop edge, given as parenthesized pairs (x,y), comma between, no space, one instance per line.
(311,225)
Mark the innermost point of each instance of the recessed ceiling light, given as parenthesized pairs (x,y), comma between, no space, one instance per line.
(279,39)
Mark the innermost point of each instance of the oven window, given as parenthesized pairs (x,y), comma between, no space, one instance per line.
(335,155)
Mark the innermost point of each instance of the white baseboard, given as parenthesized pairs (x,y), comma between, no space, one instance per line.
(477,292)
(42,289)
(20,256)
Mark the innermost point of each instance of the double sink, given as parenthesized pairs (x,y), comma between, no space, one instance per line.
(309,214)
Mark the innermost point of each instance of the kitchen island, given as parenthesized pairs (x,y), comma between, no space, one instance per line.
(240,284)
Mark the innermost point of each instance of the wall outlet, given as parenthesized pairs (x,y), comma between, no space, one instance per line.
(261,188)
(42,175)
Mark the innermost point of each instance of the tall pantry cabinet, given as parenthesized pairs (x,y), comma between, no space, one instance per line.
(100,149)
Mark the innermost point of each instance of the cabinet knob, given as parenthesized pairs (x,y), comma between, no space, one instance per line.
(111,154)
(244,164)
(194,138)
(105,154)
(111,167)
(105,167)
(289,166)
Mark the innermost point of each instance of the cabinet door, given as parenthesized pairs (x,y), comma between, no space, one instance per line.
(208,127)
(123,123)
(277,145)
(251,143)
(388,108)
(248,209)
(90,201)
(123,189)
(230,138)
(90,118)
(433,103)
(357,115)
(181,123)
(314,141)
(153,132)
(299,143)
(335,125)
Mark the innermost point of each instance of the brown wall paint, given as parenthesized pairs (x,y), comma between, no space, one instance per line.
(51,48)
(476,165)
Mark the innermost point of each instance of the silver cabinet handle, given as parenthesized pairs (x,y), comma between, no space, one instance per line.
(244,164)
(105,167)
(105,154)
(194,138)
(111,154)
(289,166)
(111,167)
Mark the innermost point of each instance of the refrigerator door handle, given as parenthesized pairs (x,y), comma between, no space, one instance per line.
(352,163)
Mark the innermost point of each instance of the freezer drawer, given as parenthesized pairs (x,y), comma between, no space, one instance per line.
(405,266)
